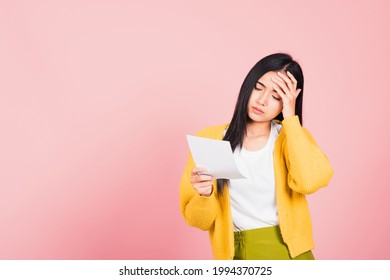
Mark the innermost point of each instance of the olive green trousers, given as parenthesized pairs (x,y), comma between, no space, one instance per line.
(263,244)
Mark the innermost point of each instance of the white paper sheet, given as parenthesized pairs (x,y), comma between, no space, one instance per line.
(214,155)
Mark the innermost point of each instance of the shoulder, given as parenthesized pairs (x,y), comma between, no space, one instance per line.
(214,132)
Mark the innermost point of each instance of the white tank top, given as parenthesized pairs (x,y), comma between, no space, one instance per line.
(253,200)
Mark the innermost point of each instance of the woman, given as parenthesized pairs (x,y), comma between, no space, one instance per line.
(265,216)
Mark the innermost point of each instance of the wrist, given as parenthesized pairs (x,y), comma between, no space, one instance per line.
(288,114)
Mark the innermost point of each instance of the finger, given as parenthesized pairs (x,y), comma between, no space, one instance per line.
(205,177)
(285,99)
(197,169)
(285,96)
(202,185)
(293,92)
(287,80)
(282,85)
(201,178)
(295,82)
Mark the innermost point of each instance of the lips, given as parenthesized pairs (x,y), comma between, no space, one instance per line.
(257,110)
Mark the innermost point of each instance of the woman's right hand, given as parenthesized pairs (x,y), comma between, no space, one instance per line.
(203,184)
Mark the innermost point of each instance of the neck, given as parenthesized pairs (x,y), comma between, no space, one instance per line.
(258,129)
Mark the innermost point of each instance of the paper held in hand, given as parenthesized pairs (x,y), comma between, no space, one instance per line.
(214,155)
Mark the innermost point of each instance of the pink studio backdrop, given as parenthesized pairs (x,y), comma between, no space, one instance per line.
(96,98)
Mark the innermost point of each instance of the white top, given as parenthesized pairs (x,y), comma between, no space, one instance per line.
(253,200)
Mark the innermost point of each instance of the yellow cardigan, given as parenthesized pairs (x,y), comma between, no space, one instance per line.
(300,168)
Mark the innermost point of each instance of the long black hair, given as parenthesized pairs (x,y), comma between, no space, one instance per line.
(236,132)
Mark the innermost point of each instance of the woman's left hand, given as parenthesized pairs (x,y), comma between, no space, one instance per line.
(286,87)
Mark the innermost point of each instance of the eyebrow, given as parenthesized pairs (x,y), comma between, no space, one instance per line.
(265,86)
(261,84)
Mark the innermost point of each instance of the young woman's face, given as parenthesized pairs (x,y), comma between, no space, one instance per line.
(264,103)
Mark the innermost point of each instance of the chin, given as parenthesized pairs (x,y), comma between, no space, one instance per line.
(259,119)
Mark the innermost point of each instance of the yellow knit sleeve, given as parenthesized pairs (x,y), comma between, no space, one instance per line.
(198,211)
(308,167)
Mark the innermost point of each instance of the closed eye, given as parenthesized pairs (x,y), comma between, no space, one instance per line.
(277,98)
(257,86)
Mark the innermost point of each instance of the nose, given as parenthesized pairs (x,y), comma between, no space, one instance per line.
(263,98)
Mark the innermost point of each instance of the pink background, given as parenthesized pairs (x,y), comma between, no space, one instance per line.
(96,98)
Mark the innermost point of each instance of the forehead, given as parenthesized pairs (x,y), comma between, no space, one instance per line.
(266,78)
